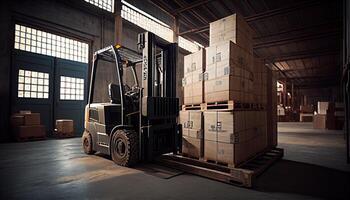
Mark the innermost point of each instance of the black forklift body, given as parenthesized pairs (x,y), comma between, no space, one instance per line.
(149,110)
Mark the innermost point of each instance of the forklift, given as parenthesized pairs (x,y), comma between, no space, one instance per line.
(140,122)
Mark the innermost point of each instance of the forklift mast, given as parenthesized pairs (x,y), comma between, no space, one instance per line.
(159,106)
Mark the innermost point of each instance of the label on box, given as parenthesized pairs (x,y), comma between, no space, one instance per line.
(218,57)
(183,81)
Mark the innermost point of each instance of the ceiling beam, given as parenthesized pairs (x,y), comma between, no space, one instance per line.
(314,77)
(190,6)
(317,85)
(311,68)
(297,38)
(283,10)
(302,55)
(195,30)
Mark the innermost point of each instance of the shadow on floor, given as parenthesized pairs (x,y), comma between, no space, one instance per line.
(305,179)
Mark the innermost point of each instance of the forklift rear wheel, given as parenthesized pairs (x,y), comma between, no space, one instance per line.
(87,143)
(125,147)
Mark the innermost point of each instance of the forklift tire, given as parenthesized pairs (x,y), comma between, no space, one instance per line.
(87,143)
(125,147)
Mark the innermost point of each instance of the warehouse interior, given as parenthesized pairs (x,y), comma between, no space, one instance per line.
(50,82)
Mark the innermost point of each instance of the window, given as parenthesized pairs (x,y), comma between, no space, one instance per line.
(152,24)
(33,84)
(104,4)
(71,88)
(146,21)
(36,41)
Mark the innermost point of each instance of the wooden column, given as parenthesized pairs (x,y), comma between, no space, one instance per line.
(118,22)
(176,29)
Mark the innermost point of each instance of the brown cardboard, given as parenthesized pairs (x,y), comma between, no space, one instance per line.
(223,89)
(192,147)
(194,65)
(319,121)
(233,28)
(28,118)
(322,107)
(17,120)
(194,62)
(65,126)
(22,132)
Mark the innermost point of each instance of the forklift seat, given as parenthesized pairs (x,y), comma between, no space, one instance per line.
(114,93)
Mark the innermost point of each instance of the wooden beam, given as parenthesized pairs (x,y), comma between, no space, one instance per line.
(298,38)
(190,6)
(283,10)
(196,30)
(303,55)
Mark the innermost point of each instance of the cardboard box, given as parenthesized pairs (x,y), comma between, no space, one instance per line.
(193,78)
(322,107)
(33,131)
(225,88)
(227,56)
(319,121)
(306,109)
(233,137)
(17,120)
(233,28)
(194,62)
(65,126)
(231,154)
(228,74)
(192,147)
(192,131)
(26,119)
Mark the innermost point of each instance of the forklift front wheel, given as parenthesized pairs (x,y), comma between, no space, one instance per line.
(124,147)
(87,143)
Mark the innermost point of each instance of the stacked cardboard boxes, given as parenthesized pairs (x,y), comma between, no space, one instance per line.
(231,74)
(228,73)
(260,81)
(26,125)
(232,137)
(329,115)
(192,131)
(231,28)
(194,65)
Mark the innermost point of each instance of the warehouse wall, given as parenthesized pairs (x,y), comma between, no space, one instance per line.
(73,17)
(313,95)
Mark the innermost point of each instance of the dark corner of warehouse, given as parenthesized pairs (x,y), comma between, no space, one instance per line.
(158,99)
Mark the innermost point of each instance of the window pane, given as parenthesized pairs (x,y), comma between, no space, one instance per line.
(29,86)
(71,88)
(36,41)
(104,4)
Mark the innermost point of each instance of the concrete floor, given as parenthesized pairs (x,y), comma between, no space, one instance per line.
(313,168)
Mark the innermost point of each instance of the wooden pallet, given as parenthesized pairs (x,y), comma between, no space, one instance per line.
(192,107)
(242,175)
(226,105)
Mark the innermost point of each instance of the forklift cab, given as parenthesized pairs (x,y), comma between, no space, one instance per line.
(139,122)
